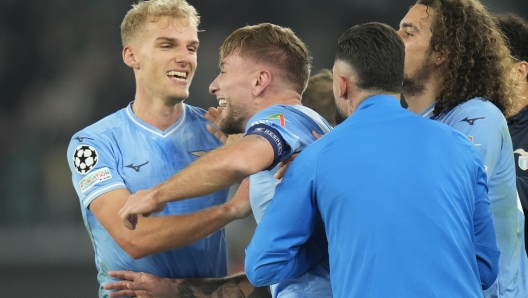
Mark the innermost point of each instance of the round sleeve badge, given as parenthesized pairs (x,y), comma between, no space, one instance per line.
(84,159)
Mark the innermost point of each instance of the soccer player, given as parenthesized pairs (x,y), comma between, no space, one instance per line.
(264,70)
(395,228)
(145,143)
(516,30)
(458,72)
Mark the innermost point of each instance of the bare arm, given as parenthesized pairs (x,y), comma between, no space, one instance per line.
(157,234)
(148,285)
(212,172)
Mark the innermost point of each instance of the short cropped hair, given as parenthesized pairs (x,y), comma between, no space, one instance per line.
(377,55)
(319,96)
(136,18)
(274,45)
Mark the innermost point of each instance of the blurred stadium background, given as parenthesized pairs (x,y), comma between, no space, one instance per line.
(61,70)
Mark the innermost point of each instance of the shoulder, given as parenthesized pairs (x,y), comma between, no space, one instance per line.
(194,113)
(99,132)
(477,109)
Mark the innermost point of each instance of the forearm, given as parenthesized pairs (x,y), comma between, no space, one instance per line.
(157,234)
(210,173)
(217,170)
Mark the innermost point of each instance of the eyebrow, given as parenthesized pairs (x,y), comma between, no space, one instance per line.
(410,25)
(173,40)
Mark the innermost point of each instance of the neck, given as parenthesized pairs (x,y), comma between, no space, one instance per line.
(157,113)
(285,97)
(522,99)
(419,102)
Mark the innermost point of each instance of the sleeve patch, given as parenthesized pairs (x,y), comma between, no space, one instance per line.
(93,178)
(84,159)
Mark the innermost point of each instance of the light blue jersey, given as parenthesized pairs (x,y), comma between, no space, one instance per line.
(122,151)
(486,127)
(288,128)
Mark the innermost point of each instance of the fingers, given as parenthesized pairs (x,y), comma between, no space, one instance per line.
(129,220)
(123,274)
(316,135)
(217,133)
(122,293)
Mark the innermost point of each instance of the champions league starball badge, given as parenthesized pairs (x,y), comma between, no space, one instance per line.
(84,159)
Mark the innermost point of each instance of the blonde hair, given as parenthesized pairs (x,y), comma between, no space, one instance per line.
(136,18)
(274,45)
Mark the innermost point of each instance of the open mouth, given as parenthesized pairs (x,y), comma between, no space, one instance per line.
(177,75)
(222,103)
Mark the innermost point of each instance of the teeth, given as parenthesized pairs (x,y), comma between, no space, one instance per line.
(222,102)
(177,74)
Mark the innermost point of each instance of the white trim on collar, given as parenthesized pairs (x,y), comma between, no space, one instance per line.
(163,135)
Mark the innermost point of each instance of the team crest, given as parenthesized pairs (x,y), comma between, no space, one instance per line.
(84,159)
(523,159)
(280,117)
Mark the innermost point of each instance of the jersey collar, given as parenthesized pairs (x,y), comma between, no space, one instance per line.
(143,125)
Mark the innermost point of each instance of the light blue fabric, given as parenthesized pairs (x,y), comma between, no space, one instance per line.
(294,124)
(404,204)
(485,125)
(134,155)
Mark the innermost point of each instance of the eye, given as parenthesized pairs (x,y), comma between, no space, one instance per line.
(166,46)
(192,50)
(407,34)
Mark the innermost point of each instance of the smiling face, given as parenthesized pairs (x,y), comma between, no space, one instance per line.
(415,31)
(165,53)
(233,89)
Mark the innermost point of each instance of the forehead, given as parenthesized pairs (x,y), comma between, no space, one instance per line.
(419,17)
(169,27)
(233,60)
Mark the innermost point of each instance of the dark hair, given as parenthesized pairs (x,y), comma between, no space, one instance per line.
(376,53)
(478,63)
(275,45)
(516,30)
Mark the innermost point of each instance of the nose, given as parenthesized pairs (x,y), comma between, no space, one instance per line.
(183,55)
(213,87)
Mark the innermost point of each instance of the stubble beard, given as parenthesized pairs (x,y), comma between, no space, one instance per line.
(232,122)
(414,85)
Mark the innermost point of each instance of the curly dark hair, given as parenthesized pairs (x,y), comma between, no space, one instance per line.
(516,30)
(478,62)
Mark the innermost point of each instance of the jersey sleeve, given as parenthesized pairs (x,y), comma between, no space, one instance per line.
(94,167)
(281,128)
(486,129)
(280,248)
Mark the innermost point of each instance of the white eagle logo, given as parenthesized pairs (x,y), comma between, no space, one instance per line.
(523,159)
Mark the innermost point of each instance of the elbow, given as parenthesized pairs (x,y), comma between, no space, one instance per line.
(134,250)
(256,275)
(265,269)
(488,268)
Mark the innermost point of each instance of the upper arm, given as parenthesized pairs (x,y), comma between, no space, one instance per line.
(486,129)
(105,208)
(251,154)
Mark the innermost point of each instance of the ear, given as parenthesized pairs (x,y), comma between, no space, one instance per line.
(343,87)
(522,71)
(439,58)
(129,57)
(262,82)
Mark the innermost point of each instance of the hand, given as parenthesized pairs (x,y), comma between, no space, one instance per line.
(239,204)
(141,285)
(285,164)
(143,202)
